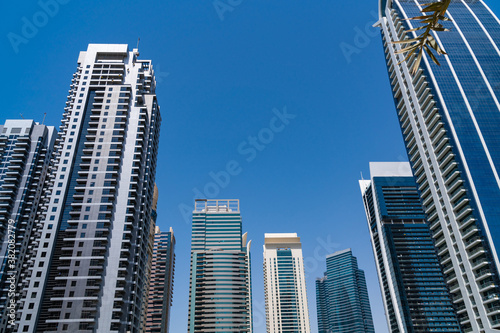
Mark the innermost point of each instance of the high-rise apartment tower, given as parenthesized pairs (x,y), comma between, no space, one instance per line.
(449,117)
(414,291)
(161,284)
(285,285)
(220,297)
(342,297)
(88,270)
(25,151)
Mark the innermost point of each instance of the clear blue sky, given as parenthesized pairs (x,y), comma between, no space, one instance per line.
(219,81)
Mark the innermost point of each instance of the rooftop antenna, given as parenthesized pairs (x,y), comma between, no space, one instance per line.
(362,175)
(136,52)
(21,115)
(44,115)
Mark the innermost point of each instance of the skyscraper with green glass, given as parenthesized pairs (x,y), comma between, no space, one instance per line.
(342,297)
(220,298)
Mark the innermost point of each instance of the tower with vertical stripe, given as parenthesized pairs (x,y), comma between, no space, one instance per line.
(450,120)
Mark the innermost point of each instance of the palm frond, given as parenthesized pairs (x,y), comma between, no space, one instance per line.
(425,41)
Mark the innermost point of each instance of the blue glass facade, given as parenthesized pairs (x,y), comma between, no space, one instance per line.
(287,291)
(418,299)
(342,297)
(471,99)
(449,116)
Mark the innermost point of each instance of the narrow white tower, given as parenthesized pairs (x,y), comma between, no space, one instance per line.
(285,285)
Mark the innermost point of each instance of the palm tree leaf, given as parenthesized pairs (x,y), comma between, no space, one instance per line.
(433,57)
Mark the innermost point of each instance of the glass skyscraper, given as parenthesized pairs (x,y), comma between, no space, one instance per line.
(342,297)
(89,262)
(450,120)
(414,292)
(220,297)
(285,285)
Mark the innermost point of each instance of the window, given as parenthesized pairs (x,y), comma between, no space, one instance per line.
(52,218)
(45,244)
(50,226)
(80,244)
(54,209)
(44,254)
(73,126)
(84,226)
(31,306)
